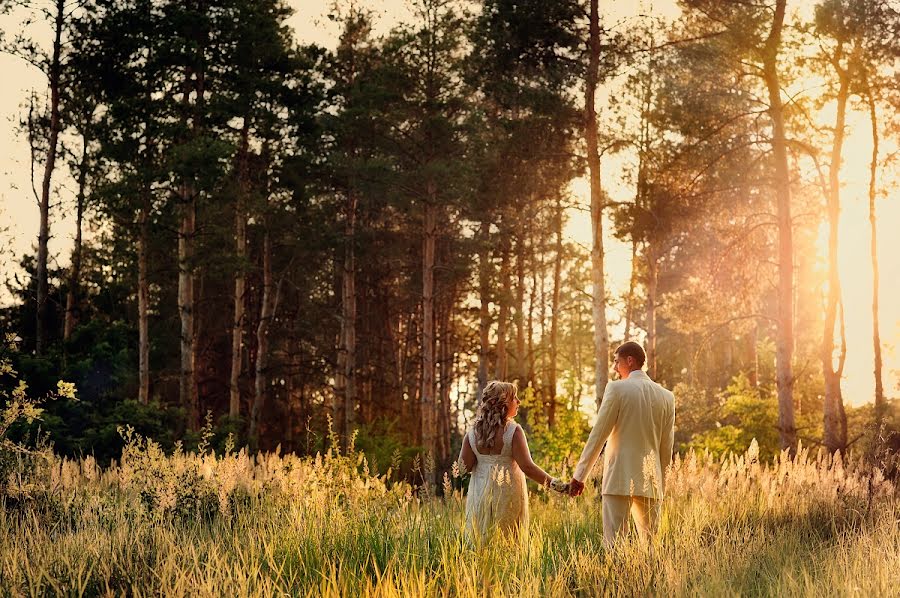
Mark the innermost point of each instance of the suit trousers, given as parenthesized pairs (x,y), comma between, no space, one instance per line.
(616,508)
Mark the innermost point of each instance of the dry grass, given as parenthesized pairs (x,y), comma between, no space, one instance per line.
(188,525)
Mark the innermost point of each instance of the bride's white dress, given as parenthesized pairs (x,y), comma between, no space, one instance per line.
(498,495)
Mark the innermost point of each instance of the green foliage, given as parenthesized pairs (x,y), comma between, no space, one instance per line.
(746,413)
(20,460)
(99,360)
(697,409)
(384,445)
(558,447)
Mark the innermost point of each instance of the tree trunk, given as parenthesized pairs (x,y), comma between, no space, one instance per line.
(144,300)
(544,351)
(43,287)
(835,418)
(754,357)
(629,300)
(290,414)
(880,403)
(426,399)
(652,296)
(502,366)
(267,308)
(601,334)
(484,309)
(192,116)
(240,277)
(446,369)
(554,315)
(187,380)
(521,363)
(532,300)
(784,342)
(641,201)
(347,351)
(75,269)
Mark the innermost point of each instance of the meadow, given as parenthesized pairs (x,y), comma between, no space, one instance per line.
(206,524)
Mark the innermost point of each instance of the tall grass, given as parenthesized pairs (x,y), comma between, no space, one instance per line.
(235,525)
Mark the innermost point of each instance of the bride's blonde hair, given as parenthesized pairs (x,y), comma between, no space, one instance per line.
(492,412)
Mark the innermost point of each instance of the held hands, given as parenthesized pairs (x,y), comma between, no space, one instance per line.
(575,487)
(559,485)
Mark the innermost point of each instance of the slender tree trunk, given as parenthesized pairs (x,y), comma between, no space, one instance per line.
(544,350)
(144,299)
(143,254)
(43,287)
(554,314)
(502,370)
(337,399)
(784,342)
(521,364)
(347,351)
(532,299)
(484,309)
(427,399)
(267,308)
(446,368)
(652,296)
(408,335)
(601,334)
(880,403)
(641,202)
(754,357)
(629,300)
(290,415)
(835,418)
(192,116)
(75,269)
(402,343)
(188,383)
(240,277)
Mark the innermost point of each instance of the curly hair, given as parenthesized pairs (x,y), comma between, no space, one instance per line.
(491,416)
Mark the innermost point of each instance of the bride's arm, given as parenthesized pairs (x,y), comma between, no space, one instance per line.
(522,456)
(467,455)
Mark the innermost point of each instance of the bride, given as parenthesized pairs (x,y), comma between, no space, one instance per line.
(496,453)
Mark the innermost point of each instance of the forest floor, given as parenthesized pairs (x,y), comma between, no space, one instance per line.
(231,525)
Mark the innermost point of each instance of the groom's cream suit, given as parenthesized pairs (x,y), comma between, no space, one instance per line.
(637,422)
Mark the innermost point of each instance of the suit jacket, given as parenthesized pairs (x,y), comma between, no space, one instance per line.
(637,417)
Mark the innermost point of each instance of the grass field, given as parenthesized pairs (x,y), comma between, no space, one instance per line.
(189,525)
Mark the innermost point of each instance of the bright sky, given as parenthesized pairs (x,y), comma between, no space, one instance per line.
(19,212)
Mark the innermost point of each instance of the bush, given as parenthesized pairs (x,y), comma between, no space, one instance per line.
(747,413)
(21,460)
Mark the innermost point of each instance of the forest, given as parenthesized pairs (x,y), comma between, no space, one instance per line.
(293,243)
(304,242)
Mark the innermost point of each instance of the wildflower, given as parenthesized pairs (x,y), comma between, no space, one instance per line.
(650,474)
(753,452)
(66,390)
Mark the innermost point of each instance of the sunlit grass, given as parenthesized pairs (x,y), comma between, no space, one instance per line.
(231,525)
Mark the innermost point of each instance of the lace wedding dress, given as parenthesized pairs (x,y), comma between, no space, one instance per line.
(498,496)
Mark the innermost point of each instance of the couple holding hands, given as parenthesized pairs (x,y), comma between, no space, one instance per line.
(637,422)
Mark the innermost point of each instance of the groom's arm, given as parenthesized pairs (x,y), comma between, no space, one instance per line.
(606,419)
(667,444)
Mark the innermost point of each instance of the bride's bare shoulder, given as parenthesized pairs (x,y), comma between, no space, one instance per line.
(519,433)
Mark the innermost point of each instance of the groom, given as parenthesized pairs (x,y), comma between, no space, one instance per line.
(637,417)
